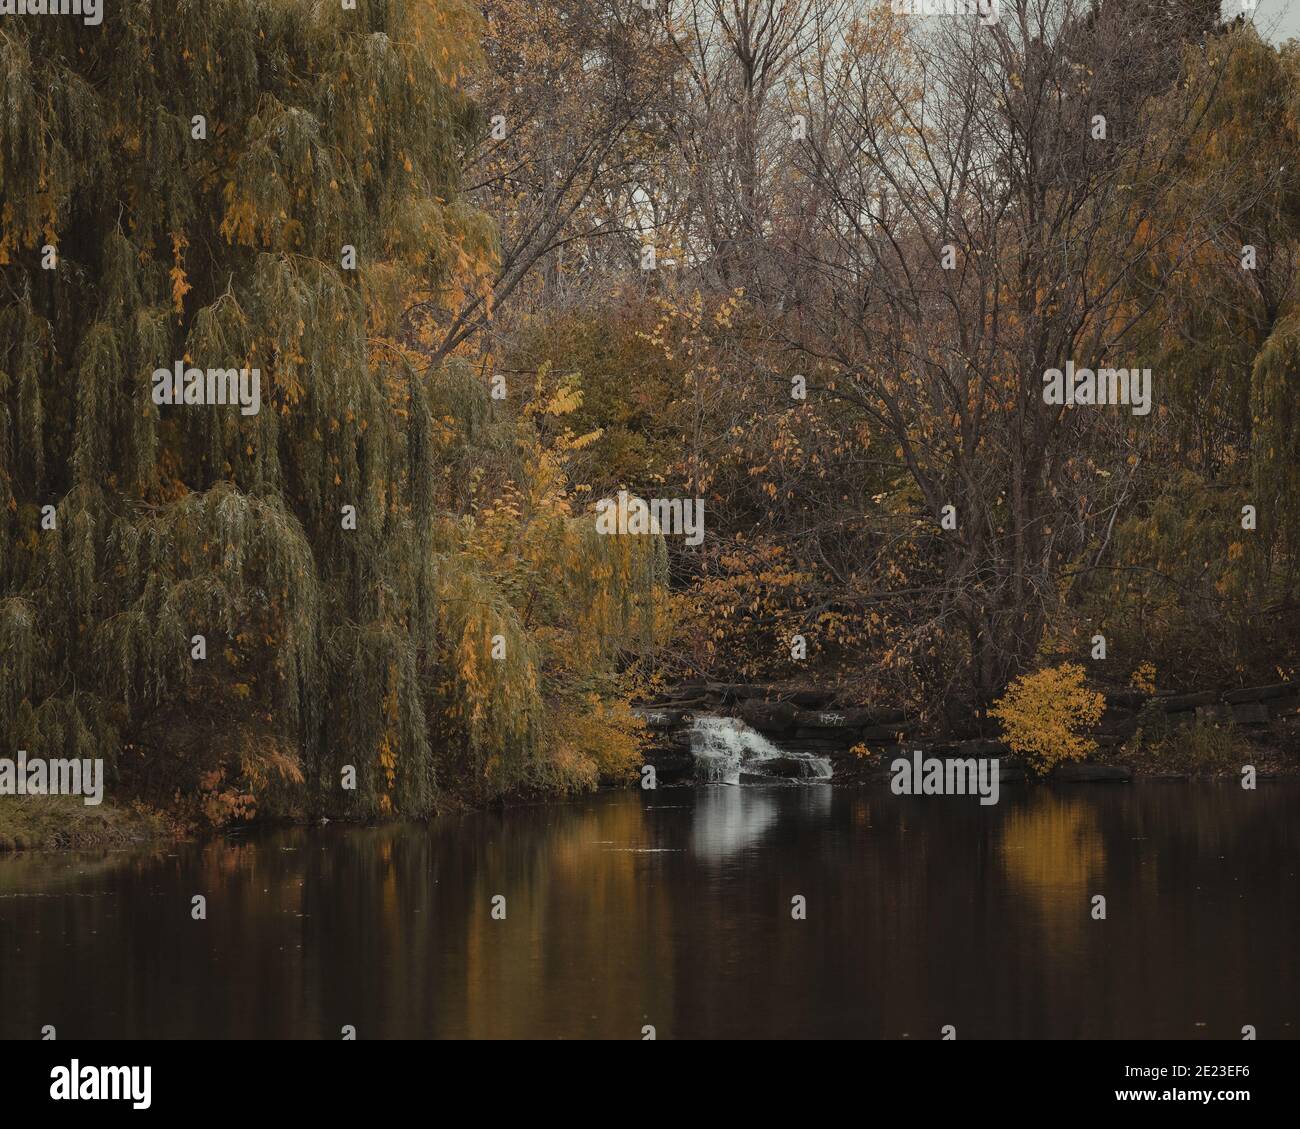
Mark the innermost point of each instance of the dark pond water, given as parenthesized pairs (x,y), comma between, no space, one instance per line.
(673,909)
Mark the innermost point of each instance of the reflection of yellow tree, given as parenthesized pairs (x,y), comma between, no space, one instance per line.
(582,893)
(1053,856)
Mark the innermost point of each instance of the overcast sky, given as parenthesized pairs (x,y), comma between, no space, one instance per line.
(1279,18)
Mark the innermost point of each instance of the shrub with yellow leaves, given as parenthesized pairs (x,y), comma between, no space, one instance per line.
(1044,714)
(1143,678)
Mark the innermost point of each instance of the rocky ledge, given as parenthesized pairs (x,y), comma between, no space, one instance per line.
(862,740)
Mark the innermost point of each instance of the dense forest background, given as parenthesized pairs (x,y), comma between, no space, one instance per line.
(805,260)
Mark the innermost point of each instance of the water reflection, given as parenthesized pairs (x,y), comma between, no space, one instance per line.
(729,820)
(673,908)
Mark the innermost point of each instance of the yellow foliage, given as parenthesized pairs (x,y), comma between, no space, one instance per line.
(598,742)
(1144,678)
(1043,715)
(180,283)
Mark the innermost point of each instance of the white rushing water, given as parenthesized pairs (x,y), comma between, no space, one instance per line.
(724,747)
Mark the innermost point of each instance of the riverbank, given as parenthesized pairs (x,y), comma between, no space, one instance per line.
(1207,735)
(66,822)
(58,823)
(1212,734)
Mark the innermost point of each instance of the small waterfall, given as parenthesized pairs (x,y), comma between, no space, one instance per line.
(725,747)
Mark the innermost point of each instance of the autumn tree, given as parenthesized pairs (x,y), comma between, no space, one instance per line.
(243,608)
(570,96)
(954,249)
(1192,579)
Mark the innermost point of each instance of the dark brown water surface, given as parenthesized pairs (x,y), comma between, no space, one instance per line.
(673,909)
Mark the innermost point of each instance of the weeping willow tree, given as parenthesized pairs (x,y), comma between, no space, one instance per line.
(1205,560)
(379,574)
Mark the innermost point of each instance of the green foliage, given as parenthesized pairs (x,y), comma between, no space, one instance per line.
(1274,409)
(1202,747)
(627,393)
(1181,581)
(326,646)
